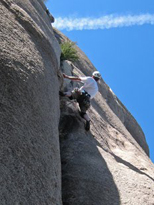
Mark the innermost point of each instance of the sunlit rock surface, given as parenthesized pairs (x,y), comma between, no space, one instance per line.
(109,165)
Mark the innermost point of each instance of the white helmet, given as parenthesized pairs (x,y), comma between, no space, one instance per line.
(96,74)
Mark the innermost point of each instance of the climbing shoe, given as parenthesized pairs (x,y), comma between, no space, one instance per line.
(61,94)
(87,126)
(71,98)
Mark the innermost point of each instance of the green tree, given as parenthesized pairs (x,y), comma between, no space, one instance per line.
(68,52)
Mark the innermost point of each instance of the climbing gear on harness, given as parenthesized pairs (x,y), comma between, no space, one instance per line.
(84,99)
(85,93)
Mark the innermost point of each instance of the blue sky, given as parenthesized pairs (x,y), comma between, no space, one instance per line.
(118,38)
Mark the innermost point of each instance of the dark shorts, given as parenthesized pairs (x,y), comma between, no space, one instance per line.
(83,98)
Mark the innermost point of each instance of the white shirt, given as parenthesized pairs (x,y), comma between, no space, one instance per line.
(90,86)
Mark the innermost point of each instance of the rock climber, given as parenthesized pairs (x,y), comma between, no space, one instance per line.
(84,94)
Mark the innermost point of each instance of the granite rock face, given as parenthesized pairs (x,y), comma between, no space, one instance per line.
(30,168)
(108,165)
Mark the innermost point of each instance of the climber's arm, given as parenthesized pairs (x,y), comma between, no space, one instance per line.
(71,77)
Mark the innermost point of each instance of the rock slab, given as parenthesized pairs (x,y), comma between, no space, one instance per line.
(30,170)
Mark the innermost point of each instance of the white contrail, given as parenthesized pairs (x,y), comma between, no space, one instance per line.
(104,22)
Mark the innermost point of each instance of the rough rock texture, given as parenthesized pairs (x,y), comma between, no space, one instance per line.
(108,165)
(86,68)
(30,170)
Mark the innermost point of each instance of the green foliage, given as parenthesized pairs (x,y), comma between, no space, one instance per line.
(68,52)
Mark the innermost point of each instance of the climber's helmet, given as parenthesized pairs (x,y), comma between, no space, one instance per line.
(96,75)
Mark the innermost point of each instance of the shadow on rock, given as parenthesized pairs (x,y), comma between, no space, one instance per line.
(130,166)
(86,179)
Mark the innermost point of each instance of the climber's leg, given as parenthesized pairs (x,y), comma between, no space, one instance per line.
(84,104)
(87,118)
